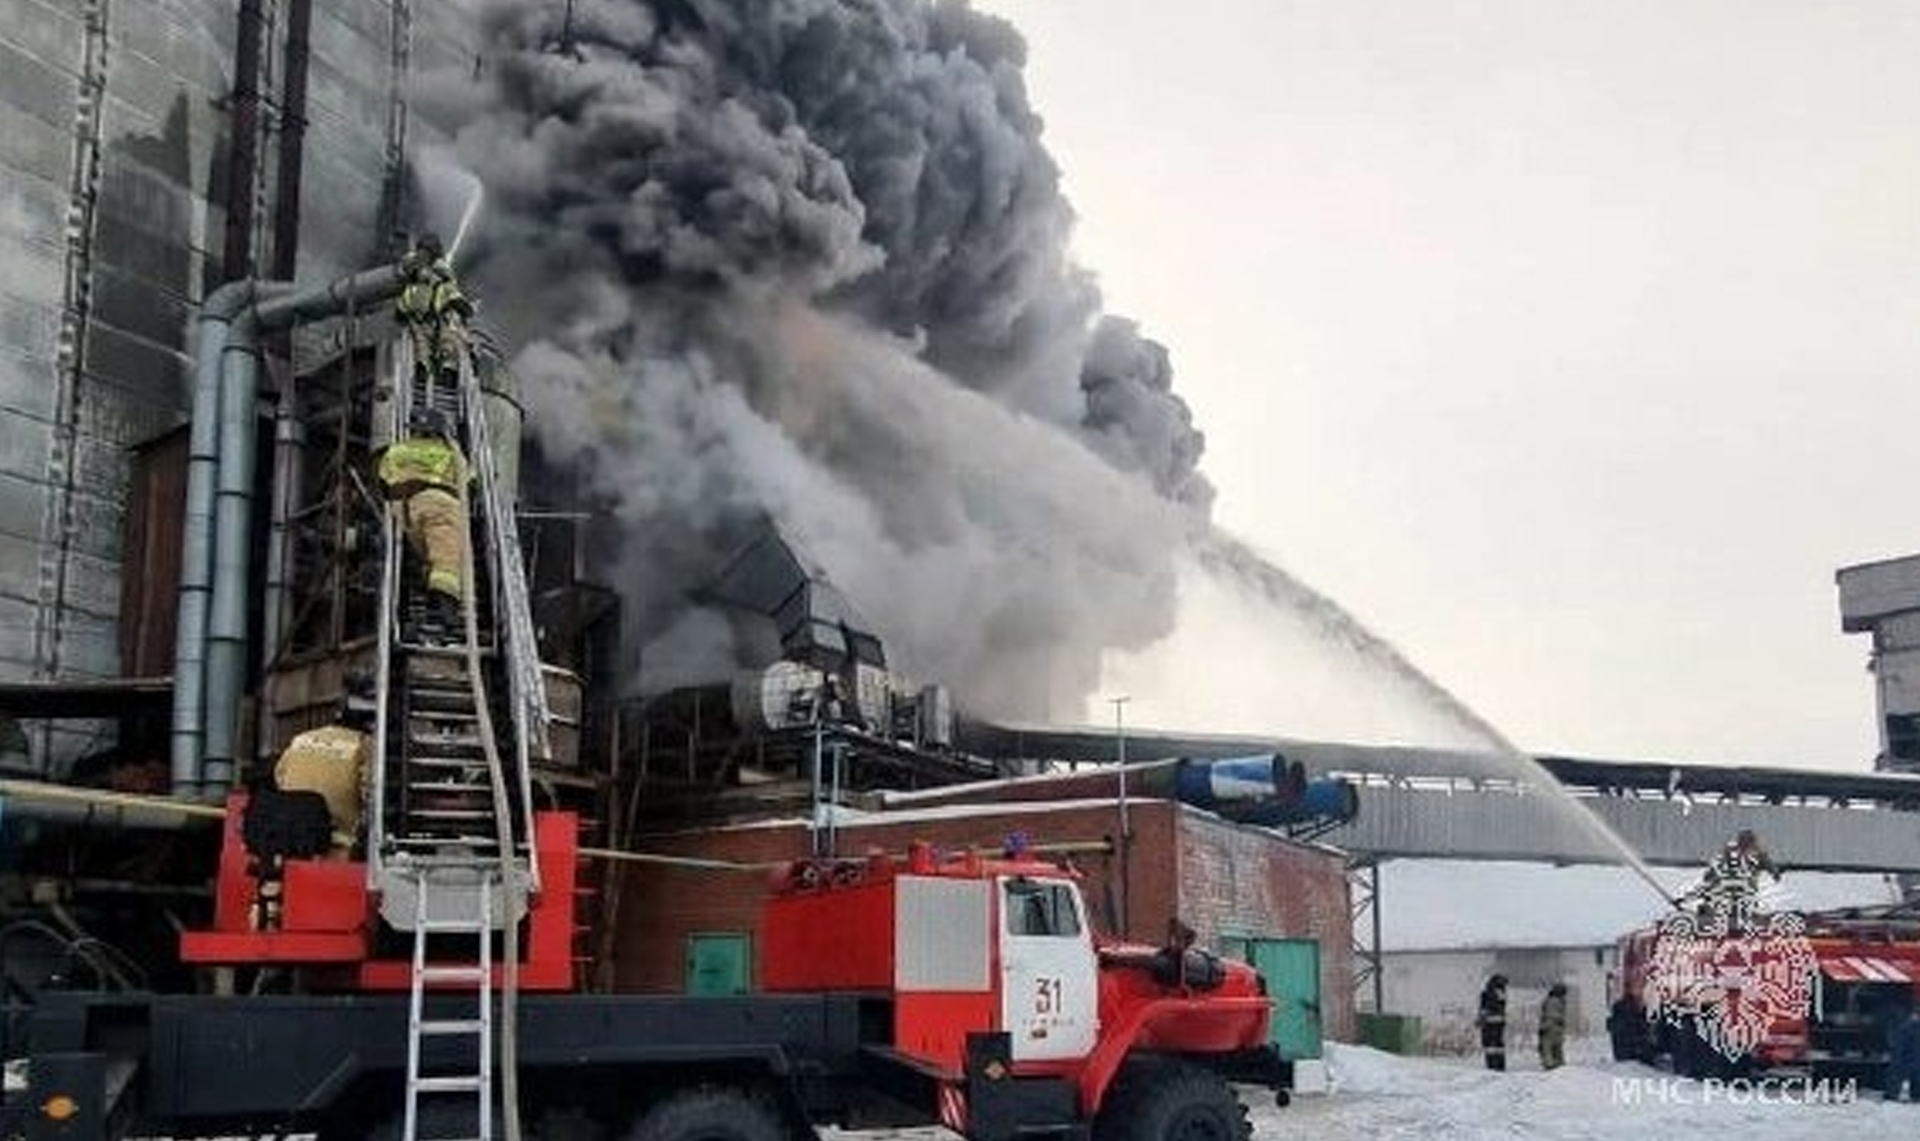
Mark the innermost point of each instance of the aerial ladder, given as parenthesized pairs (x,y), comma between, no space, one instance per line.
(461,719)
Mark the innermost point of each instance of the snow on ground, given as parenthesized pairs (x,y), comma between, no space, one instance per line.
(1375,1096)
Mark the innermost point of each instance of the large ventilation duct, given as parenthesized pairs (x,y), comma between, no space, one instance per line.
(817,625)
(211,647)
(217,313)
(828,652)
(1265,790)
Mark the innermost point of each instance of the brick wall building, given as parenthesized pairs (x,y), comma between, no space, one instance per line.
(1223,879)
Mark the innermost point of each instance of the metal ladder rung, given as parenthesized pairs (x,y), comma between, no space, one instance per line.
(452,927)
(446,842)
(461,1083)
(441,700)
(445,649)
(454,975)
(452,1026)
(445,741)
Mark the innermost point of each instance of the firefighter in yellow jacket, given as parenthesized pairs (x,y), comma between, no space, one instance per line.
(335,761)
(433,308)
(424,475)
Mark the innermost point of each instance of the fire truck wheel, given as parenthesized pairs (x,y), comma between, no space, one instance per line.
(709,1115)
(1171,1101)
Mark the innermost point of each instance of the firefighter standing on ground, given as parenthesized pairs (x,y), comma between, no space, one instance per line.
(433,309)
(1903,1058)
(424,475)
(1553,1028)
(1493,1022)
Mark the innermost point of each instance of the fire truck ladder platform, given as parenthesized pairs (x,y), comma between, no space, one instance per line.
(461,717)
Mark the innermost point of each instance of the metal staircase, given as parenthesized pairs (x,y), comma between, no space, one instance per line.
(461,717)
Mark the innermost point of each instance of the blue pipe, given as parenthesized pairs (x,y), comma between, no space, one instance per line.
(1328,799)
(1205,784)
(1264,790)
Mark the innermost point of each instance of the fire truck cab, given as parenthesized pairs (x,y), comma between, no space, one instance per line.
(997,955)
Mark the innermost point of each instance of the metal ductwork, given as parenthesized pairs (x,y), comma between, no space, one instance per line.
(1268,790)
(211,646)
(817,625)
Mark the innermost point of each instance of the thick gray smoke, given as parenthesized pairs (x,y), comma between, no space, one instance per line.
(808,258)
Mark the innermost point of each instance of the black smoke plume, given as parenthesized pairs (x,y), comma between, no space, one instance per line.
(807,258)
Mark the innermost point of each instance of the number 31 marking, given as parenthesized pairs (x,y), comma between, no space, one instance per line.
(1048,996)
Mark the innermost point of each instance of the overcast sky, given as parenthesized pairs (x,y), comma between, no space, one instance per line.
(1572,345)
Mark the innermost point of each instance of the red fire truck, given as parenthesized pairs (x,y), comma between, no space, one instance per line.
(962,990)
(1862,971)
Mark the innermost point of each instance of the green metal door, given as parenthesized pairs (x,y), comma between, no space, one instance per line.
(718,964)
(1292,970)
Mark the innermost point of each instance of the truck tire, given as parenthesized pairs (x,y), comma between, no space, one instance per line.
(436,1120)
(442,1120)
(1171,1101)
(709,1115)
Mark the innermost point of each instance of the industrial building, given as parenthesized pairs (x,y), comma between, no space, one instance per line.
(1440,987)
(1882,599)
(152,152)
(154,643)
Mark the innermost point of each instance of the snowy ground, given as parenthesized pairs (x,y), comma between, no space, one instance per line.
(1373,1096)
(1379,1097)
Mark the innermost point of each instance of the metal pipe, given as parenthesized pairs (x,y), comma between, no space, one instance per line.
(293,133)
(1379,961)
(289,439)
(275,305)
(237,262)
(833,806)
(38,800)
(288,436)
(232,556)
(196,582)
(368,288)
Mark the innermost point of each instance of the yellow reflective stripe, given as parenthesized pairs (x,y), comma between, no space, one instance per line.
(427,461)
(416,299)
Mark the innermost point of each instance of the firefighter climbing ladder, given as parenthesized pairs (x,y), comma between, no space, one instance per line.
(450,848)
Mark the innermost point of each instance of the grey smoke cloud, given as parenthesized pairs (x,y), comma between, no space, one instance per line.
(808,258)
